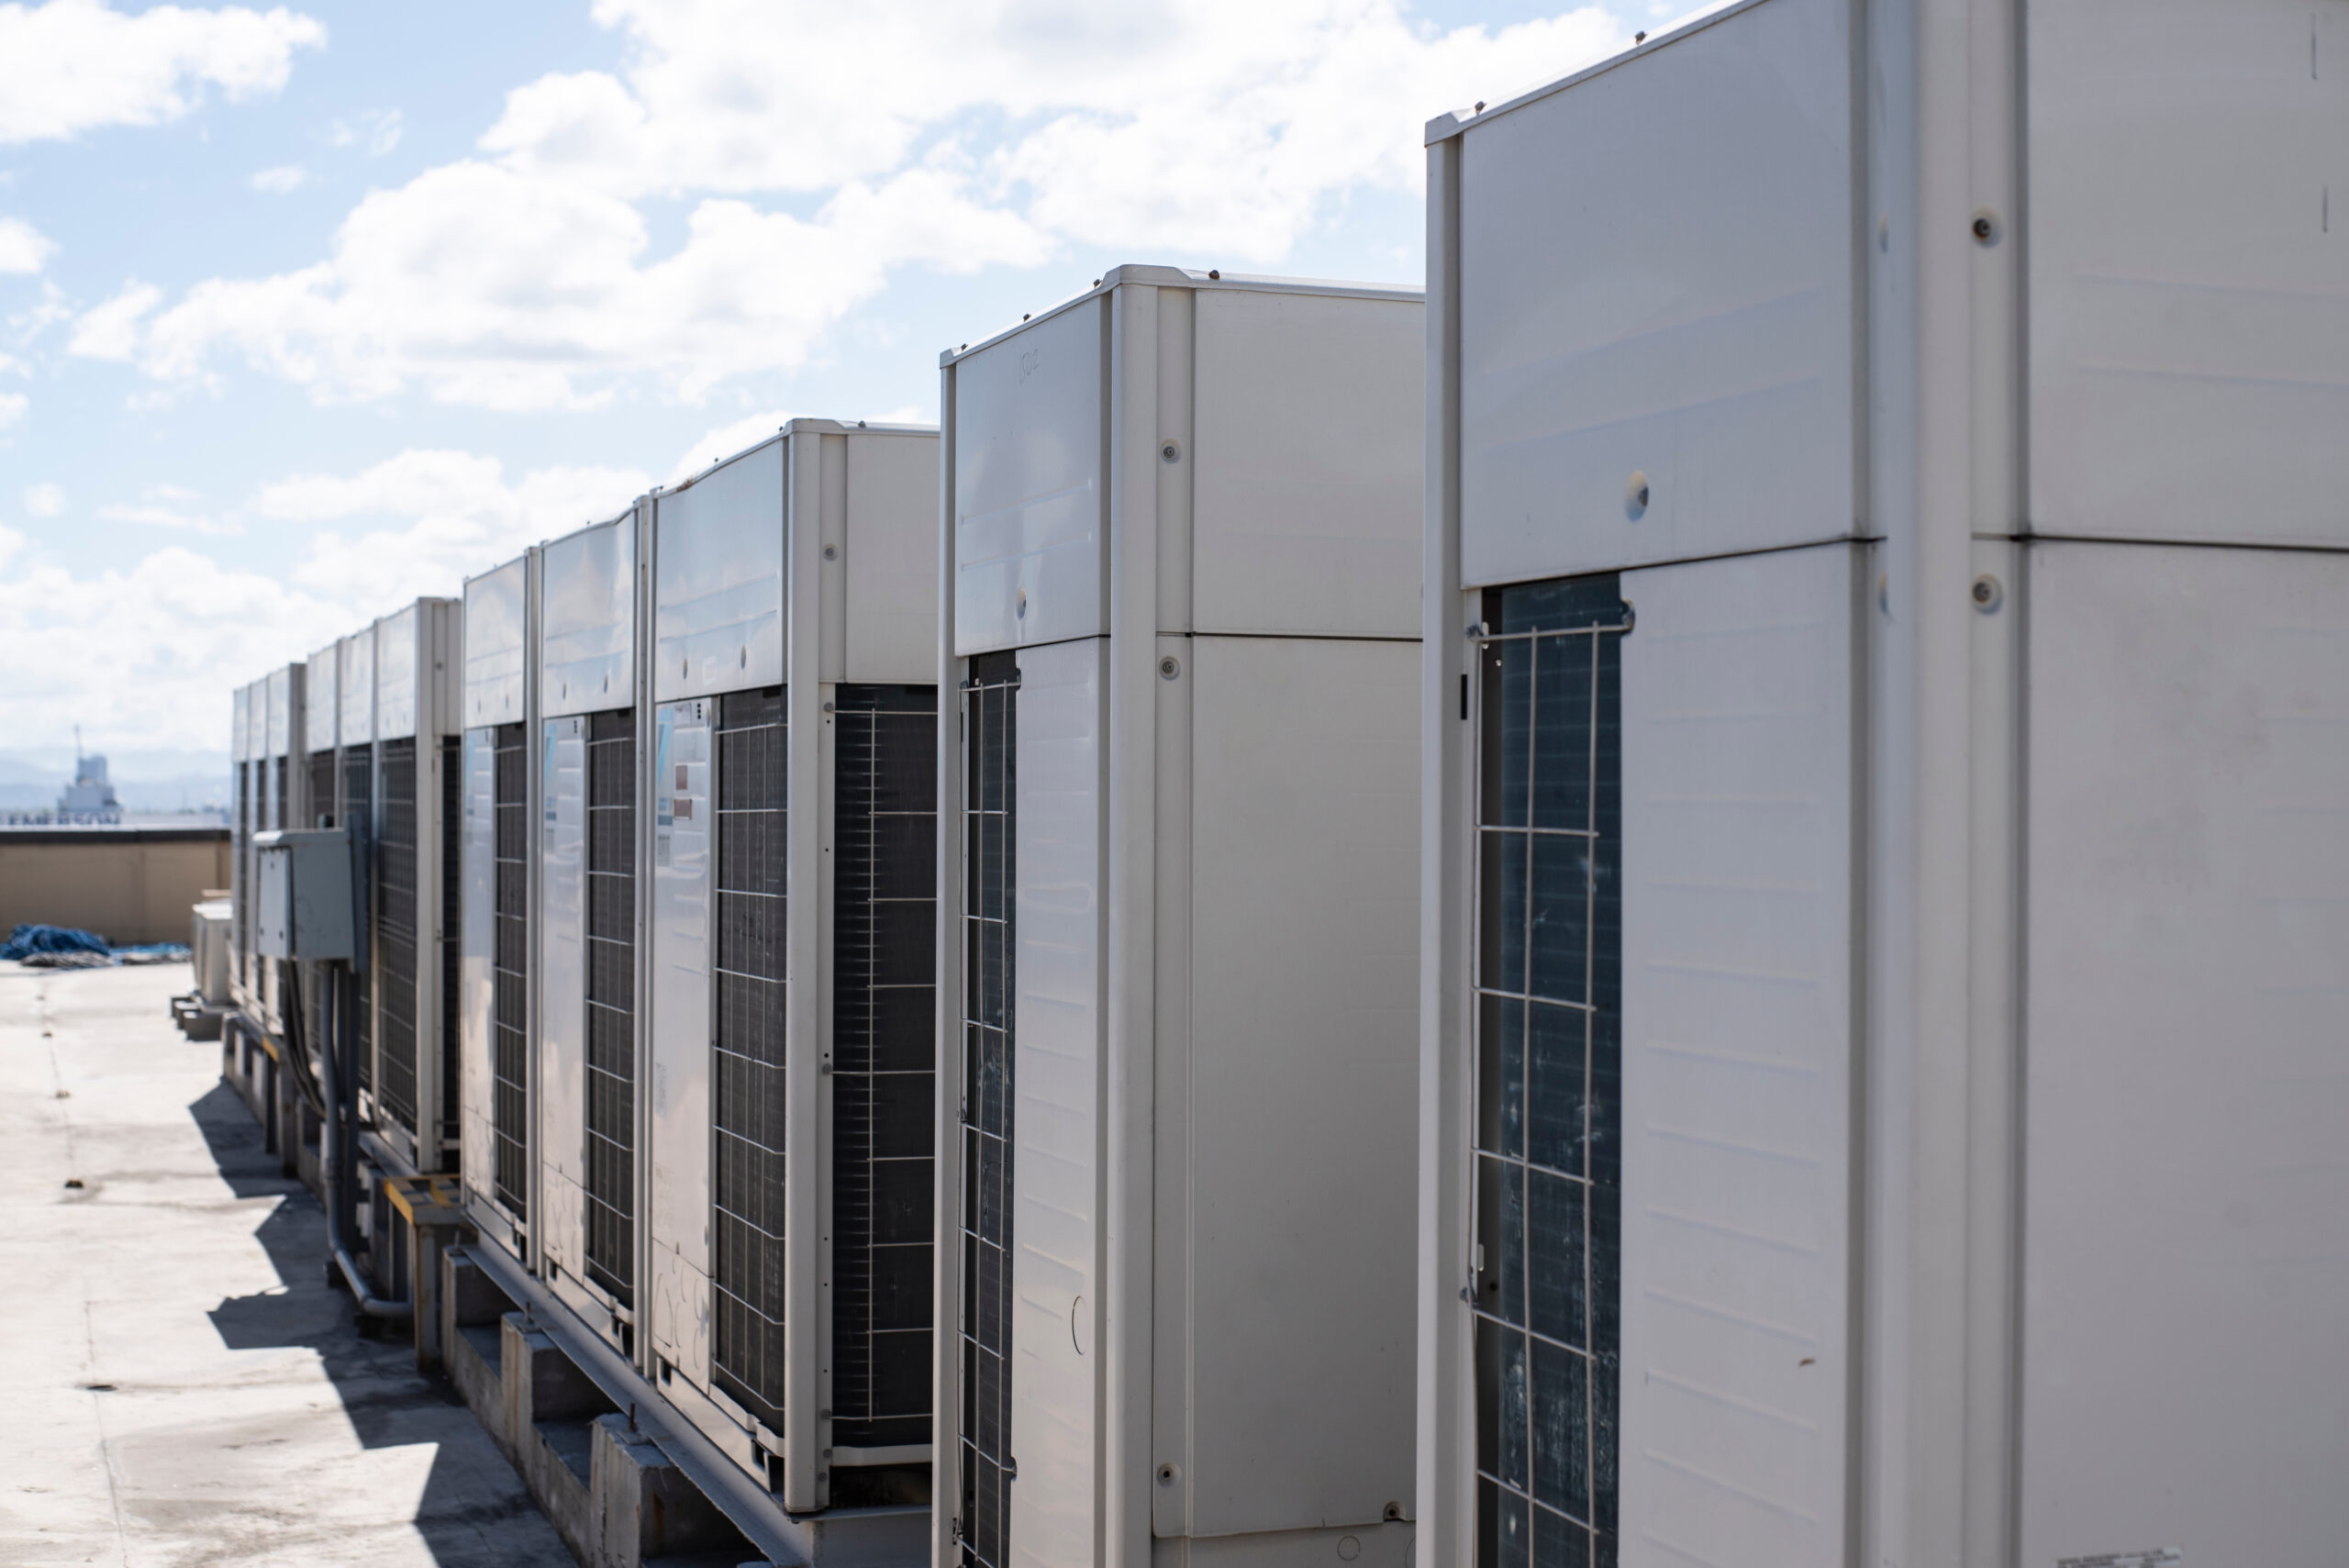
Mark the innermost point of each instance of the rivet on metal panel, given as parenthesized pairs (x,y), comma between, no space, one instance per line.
(1635,495)
(831,552)
(1172,452)
(1987,594)
(1349,1548)
(828,708)
(1169,667)
(1393,1512)
(1985,227)
(1166,1475)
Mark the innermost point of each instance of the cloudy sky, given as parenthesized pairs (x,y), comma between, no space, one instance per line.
(306,312)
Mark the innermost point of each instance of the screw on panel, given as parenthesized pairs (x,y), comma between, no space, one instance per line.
(831,552)
(1393,1512)
(1985,227)
(1172,452)
(1169,667)
(1635,495)
(1987,594)
(1166,1475)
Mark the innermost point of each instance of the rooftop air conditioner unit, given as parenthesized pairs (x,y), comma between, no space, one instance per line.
(793,776)
(279,792)
(493,1009)
(242,773)
(1888,593)
(1178,891)
(322,796)
(355,730)
(414,847)
(587,968)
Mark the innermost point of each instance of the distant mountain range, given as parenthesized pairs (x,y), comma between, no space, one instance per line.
(144,780)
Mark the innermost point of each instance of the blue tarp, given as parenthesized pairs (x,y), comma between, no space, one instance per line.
(27,940)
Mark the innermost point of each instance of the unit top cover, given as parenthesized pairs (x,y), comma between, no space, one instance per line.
(496,650)
(281,710)
(718,576)
(322,693)
(587,619)
(357,719)
(1273,441)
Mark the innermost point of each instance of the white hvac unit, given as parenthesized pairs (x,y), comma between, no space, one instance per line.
(1886,794)
(1178,884)
(355,732)
(279,791)
(321,766)
(413,849)
(586,967)
(792,918)
(241,833)
(493,979)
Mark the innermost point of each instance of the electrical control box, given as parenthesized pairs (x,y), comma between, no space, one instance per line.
(302,907)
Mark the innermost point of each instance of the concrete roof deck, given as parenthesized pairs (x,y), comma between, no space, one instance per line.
(183,1386)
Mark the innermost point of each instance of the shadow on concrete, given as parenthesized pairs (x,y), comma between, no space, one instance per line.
(474,1511)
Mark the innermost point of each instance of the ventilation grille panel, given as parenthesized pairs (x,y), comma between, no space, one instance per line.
(611,1002)
(396,921)
(510,978)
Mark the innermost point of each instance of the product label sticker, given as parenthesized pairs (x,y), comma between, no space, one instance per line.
(2160,1557)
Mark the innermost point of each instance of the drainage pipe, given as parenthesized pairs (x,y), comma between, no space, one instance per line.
(334,1140)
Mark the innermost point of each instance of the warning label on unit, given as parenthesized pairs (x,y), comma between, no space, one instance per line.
(2166,1557)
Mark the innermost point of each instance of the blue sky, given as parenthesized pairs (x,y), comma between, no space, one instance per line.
(306,311)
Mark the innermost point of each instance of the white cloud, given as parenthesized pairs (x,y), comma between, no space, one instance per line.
(23,247)
(166,506)
(152,650)
(378,130)
(488,287)
(278,181)
(725,442)
(75,65)
(952,137)
(148,652)
(445,516)
(12,408)
(44,500)
(110,331)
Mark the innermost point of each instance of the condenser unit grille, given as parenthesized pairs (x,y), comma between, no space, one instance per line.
(453,927)
(746,1194)
(395,918)
(510,1005)
(885,996)
(278,778)
(358,810)
(246,890)
(611,1002)
(989,876)
(1549,1072)
(314,987)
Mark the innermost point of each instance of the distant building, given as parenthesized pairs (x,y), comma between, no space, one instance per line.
(89,798)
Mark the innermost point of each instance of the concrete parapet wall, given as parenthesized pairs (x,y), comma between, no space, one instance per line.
(127,884)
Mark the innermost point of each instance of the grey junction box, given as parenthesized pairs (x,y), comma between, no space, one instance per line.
(304,897)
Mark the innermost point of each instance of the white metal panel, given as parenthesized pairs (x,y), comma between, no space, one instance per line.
(719,575)
(1656,279)
(683,954)
(281,711)
(1057,1032)
(587,620)
(1303,1083)
(321,687)
(1737,1059)
(2185,1265)
(562,970)
(1305,495)
(357,705)
(497,644)
(240,728)
(2189,310)
(1027,486)
(892,557)
(476,963)
(397,641)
